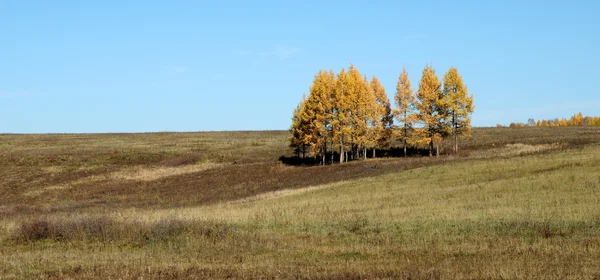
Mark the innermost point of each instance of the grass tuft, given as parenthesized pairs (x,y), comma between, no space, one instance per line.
(103,229)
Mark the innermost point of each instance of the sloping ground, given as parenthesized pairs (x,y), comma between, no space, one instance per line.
(556,186)
(165,187)
(532,216)
(81,172)
(204,183)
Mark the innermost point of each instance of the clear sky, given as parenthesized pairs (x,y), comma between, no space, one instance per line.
(135,66)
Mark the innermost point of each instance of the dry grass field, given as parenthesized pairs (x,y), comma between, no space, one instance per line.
(516,203)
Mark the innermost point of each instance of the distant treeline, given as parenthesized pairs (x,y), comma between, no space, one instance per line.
(345,115)
(575,120)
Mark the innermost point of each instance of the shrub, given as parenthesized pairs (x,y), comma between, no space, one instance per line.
(104,229)
(34,230)
(97,228)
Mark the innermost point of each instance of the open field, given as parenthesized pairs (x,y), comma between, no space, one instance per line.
(515,203)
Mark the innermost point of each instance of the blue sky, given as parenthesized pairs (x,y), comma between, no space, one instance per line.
(133,66)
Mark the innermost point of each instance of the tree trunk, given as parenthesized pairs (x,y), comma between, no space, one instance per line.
(303,151)
(453,133)
(374,154)
(454,138)
(324,151)
(431,147)
(365,152)
(341,152)
(405,133)
(455,146)
(437,149)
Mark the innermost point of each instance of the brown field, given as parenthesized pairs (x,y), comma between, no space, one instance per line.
(515,203)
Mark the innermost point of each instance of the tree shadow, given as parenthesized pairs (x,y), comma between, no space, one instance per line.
(333,158)
(297,161)
(399,152)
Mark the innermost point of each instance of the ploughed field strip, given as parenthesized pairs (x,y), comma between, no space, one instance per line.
(516,203)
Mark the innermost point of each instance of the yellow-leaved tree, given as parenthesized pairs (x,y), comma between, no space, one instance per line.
(432,111)
(576,120)
(360,98)
(365,119)
(299,140)
(459,104)
(342,110)
(383,120)
(405,108)
(319,112)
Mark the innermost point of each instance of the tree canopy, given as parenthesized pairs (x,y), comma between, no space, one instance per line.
(346,114)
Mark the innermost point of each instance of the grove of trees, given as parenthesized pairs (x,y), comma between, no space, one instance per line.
(345,115)
(575,120)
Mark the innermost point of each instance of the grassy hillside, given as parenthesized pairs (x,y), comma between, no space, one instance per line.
(516,203)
